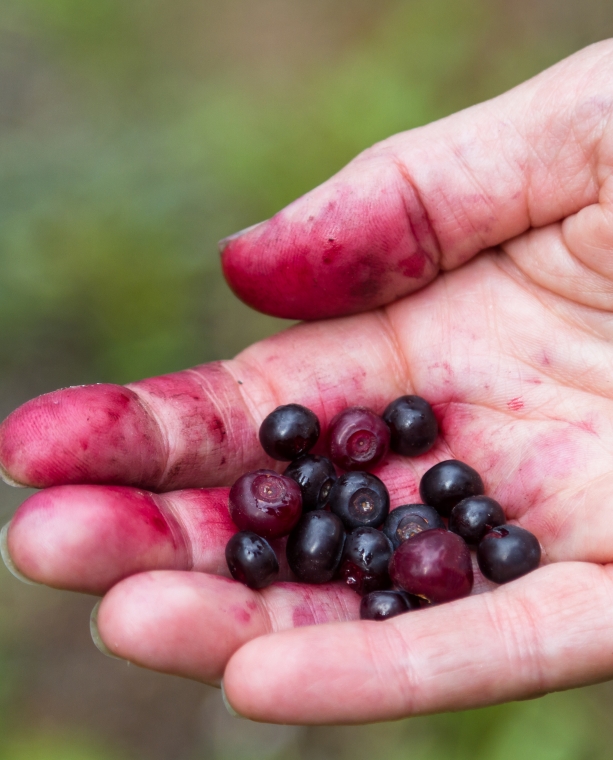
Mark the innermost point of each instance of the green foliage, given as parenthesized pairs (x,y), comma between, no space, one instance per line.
(52,746)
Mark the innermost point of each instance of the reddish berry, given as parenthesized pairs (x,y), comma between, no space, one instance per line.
(358,439)
(434,565)
(266,503)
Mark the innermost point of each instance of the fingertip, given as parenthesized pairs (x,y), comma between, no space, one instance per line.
(357,242)
(84,434)
(188,624)
(8,560)
(225,242)
(86,538)
(227,704)
(94,630)
(6,478)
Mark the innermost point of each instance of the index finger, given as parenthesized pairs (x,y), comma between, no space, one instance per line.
(431,198)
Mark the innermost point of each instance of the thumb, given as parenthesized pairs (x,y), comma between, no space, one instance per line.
(431,198)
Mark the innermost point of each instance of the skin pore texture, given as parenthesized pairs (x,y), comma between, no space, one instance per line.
(512,347)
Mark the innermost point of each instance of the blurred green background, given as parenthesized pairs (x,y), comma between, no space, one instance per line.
(133,135)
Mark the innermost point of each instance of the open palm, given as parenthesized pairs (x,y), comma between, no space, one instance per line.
(513,348)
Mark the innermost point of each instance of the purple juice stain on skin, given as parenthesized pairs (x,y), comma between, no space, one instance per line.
(42,442)
(413,266)
(121,531)
(303,615)
(241,615)
(167,432)
(204,414)
(344,259)
(589,426)
(515,404)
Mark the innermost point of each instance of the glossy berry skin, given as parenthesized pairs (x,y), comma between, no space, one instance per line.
(357,439)
(365,561)
(412,425)
(315,476)
(315,546)
(507,553)
(475,516)
(289,432)
(251,560)
(447,483)
(360,499)
(265,502)
(407,521)
(434,565)
(381,605)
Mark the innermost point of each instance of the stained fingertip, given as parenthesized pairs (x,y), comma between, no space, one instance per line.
(8,560)
(85,434)
(225,242)
(6,478)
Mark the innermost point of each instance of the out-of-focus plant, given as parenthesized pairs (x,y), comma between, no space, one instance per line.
(135,134)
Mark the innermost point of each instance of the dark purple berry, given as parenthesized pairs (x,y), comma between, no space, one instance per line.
(315,476)
(405,522)
(434,565)
(358,438)
(447,483)
(412,424)
(507,553)
(360,499)
(365,561)
(265,502)
(251,560)
(381,605)
(473,517)
(315,546)
(289,432)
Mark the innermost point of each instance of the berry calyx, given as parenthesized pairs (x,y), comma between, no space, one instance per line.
(407,521)
(266,503)
(358,438)
(360,499)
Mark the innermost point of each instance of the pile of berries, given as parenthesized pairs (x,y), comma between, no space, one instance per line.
(340,526)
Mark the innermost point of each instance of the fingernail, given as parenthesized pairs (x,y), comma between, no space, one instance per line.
(9,480)
(223,244)
(229,707)
(6,557)
(95,633)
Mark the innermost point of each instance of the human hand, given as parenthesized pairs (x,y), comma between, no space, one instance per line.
(513,349)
